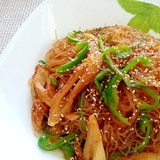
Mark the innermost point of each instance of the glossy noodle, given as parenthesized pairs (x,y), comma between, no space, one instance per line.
(96,95)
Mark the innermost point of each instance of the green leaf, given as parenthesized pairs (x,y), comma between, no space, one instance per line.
(146,15)
(140,22)
(154,19)
(133,6)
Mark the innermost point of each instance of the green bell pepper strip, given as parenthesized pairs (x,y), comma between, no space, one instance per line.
(110,96)
(80,112)
(146,106)
(100,42)
(67,150)
(146,61)
(152,93)
(146,127)
(120,51)
(44,142)
(115,156)
(99,78)
(80,56)
(53,81)
(110,93)
(81,46)
(70,36)
(42,62)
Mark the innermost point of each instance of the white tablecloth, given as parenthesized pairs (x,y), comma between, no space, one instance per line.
(12,14)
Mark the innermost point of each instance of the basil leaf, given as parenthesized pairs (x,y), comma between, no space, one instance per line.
(140,22)
(133,7)
(146,15)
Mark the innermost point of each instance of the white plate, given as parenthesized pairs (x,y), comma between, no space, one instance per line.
(18,60)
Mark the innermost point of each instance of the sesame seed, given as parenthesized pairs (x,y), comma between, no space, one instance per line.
(62,115)
(156,121)
(55,114)
(133,91)
(119,128)
(114,86)
(155,130)
(132,129)
(95,114)
(51,123)
(135,100)
(93,105)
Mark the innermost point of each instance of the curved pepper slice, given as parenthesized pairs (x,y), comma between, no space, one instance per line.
(70,36)
(81,46)
(99,78)
(110,96)
(146,127)
(45,143)
(120,51)
(146,106)
(80,111)
(67,150)
(110,93)
(80,56)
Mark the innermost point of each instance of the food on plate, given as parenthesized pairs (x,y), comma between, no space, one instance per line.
(96,95)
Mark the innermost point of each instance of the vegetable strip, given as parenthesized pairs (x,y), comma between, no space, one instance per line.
(146,127)
(70,36)
(82,76)
(80,107)
(67,150)
(108,92)
(45,143)
(110,96)
(100,77)
(146,106)
(80,56)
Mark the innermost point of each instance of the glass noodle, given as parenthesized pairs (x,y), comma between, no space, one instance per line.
(96,95)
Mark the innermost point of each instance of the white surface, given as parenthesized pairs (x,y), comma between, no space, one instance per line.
(18,60)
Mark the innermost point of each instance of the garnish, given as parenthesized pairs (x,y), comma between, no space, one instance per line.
(42,62)
(146,15)
(53,81)
(80,111)
(81,46)
(45,142)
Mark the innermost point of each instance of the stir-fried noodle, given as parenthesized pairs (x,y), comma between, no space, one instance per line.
(100,87)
